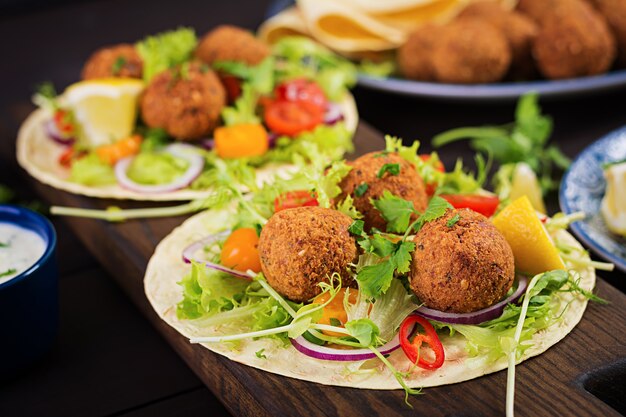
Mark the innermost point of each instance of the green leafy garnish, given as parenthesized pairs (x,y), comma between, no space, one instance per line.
(392,169)
(395,210)
(364,330)
(377,69)
(166,50)
(259,354)
(453,220)
(5,244)
(361,189)
(155,168)
(8,272)
(118,65)
(356,228)
(6,194)
(259,77)
(524,140)
(90,170)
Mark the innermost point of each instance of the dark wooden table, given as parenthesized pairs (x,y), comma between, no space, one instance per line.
(109,360)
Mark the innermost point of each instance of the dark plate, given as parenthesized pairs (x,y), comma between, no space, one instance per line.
(498,91)
(582,189)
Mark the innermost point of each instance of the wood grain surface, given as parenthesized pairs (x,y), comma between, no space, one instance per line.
(591,357)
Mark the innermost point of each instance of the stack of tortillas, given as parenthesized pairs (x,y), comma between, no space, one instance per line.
(361,28)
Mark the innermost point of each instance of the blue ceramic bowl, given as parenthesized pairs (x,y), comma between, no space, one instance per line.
(29,302)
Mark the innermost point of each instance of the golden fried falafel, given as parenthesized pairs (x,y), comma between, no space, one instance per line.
(574,44)
(113,61)
(519,30)
(230,43)
(469,52)
(186,101)
(415,55)
(542,10)
(461,267)
(614,11)
(303,246)
(366,181)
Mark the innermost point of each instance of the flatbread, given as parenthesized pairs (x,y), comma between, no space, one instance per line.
(39,156)
(166,268)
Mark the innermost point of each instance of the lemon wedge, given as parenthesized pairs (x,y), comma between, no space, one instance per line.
(532,247)
(524,182)
(105,109)
(613,207)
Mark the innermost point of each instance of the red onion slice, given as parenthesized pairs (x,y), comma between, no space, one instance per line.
(187,152)
(333,114)
(326,353)
(53,133)
(476,317)
(189,252)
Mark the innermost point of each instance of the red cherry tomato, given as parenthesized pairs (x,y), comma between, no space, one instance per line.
(301,90)
(69,156)
(232,85)
(291,118)
(294,199)
(64,122)
(240,250)
(432,187)
(483,204)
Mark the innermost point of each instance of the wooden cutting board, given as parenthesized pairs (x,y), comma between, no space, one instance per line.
(592,358)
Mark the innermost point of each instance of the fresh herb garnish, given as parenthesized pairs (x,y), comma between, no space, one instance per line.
(4,244)
(524,140)
(335,322)
(118,65)
(6,194)
(395,210)
(361,189)
(453,220)
(10,271)
(392,169)
(356,228)
(259,354)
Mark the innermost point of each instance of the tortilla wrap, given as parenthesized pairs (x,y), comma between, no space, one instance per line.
(39,156)
(166,268)
(362,28)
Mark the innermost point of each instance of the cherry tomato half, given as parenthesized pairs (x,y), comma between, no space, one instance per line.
(64,122)
(232,85)
(294,199)
(301,90)
(291,118)
(483,204)
(240,250)
(432,187)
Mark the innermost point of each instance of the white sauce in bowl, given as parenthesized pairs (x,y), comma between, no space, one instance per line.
(20,248)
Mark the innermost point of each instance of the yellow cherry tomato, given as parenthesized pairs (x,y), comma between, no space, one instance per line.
(238,141)
(334,309)
(240,250)
(123,148)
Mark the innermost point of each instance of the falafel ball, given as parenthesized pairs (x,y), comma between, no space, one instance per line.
(113,61)
(415,55)
(366,174)
(614,11)
(470,51)
(303,246)
(230,43)
(519,30)
(461,268)
(185,102)
(543,10)
(574,44)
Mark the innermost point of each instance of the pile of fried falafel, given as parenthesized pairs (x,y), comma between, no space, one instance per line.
(486,43)
(188,105)
(461,262)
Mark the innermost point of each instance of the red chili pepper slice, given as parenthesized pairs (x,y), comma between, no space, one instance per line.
(292,199)
(483,204)
(411,348)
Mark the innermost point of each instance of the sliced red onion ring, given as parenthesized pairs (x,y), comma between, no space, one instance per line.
(53,133)
(272,137)
(187,152)
(329,354)
(333,114)
(207,143)
(188,255)
(479,316)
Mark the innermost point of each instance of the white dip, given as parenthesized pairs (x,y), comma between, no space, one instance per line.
(19,249)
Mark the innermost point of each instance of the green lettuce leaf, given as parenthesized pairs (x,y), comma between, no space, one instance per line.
(166,50)
(90,170)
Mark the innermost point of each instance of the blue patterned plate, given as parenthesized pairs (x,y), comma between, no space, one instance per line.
(582,189)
